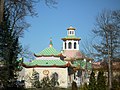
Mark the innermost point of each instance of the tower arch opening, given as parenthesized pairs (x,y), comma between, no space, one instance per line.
(65,45)
(69,45)
(75,45)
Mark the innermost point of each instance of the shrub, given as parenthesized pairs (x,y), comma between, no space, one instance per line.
(74,86)
(92,82)
(101,81)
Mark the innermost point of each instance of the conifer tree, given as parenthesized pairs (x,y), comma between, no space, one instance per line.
(101,82)
(35,79)
(9,50)
(45,83)
(74,85)
(92,82)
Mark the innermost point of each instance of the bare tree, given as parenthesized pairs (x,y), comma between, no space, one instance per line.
(26,53)
(107,28)
(18,10)
(1,10)
(88,48)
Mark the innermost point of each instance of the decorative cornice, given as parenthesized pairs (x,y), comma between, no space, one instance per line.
(64,39)
(35,66)
(59,55)
(71,29)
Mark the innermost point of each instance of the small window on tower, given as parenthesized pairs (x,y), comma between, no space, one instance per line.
(65,45)
(72,32)
(74,45)
(69,45)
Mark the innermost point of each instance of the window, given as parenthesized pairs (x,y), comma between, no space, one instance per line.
(74,45)
(72,32)
(65,45)
(69,45)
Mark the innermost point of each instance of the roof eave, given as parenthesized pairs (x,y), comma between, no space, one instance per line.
(59,55)
(64,39)
(34,66)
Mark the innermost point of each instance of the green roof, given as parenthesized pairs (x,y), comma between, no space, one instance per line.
(82,64)
(71,37)
(48,51)
(46,63)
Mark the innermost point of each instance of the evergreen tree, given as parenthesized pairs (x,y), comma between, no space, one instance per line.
(92,82)
(116,82)
(74,85)
(9,50)
(46,83)
(35,79)
(101,81)
(54,80)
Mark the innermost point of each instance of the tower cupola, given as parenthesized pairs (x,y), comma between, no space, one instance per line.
(71,31)
(71,42)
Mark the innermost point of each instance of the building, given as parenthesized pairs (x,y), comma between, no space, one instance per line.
(47,62)
(81,63)
(69,65)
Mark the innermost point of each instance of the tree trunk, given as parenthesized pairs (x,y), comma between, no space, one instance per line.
(109,72)
(109,64)
(1,10)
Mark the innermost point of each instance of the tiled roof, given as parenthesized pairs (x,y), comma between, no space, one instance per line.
(83,64)
(48,52)
(47,63)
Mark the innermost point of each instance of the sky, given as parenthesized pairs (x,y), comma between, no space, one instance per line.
(53,22)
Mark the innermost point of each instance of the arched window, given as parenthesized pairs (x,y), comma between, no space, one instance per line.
(74,45)
(69,45)
(65,45)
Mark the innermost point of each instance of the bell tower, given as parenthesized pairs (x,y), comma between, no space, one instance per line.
(71,42)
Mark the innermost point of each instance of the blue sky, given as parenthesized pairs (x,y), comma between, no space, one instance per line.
(53,22)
